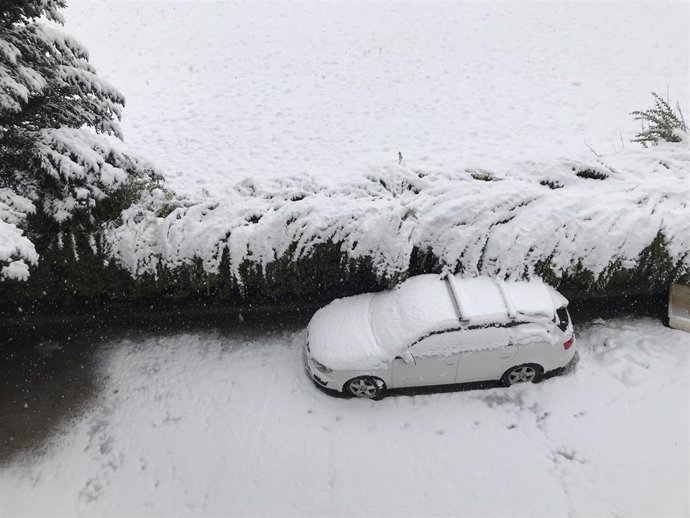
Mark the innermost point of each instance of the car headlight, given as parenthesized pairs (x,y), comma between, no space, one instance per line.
(320,367)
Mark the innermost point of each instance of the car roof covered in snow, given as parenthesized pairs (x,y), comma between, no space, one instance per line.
(365,331)
(428,303)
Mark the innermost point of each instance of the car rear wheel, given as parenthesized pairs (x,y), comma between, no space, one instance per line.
(522,374)
(365,387)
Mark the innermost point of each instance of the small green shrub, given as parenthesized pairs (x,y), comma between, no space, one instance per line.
(482,175)
(591,174)
(659,123)
(551,184)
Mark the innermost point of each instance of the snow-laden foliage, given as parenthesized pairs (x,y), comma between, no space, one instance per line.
(16,250)
(47,81)
(53,107)
(569,214)
(13,11)
(86,167)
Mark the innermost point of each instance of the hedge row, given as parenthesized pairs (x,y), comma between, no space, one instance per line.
(73,270)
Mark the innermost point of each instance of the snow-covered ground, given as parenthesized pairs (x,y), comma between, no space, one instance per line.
(283,121)
(218,91)
(230,425)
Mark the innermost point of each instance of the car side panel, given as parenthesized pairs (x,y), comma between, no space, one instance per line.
(432,370)
(549,355)
(436,360)
(486,364)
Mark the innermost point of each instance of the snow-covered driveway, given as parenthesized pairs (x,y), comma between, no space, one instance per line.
(223,425)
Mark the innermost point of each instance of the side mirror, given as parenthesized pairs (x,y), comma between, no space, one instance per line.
(408,358)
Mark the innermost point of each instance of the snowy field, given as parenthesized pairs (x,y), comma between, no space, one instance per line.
(220,91)
(221,424)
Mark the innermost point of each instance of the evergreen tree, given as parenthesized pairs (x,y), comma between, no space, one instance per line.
(61,168)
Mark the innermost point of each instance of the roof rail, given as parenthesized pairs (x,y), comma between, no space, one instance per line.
(455,290)
(512,312)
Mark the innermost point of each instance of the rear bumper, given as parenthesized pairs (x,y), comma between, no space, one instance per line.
(568,367)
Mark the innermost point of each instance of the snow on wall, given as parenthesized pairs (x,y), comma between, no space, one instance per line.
(499,227)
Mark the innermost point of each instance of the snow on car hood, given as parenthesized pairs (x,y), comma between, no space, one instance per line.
(341,337)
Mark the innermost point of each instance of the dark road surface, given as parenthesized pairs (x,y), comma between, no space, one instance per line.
(49,371)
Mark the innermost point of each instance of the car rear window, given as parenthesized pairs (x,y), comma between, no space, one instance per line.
(562,319)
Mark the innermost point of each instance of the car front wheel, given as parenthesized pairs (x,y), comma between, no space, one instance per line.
(522,374)
(365,387)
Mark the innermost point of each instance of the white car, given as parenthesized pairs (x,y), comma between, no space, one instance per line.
(437,330)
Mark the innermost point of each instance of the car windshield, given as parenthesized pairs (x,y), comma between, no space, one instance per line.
(418,306)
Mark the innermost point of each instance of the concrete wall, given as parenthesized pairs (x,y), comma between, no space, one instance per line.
(679,307)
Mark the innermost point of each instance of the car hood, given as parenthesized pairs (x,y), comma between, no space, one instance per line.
(341,336)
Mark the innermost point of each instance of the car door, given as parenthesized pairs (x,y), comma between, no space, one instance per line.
(484,354)
(435,362)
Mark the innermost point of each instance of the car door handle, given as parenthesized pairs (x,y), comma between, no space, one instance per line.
(450,363)
(506,355)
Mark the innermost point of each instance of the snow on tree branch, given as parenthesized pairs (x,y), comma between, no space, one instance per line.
(17,252)
(15,11)
(48,82)
(52,108)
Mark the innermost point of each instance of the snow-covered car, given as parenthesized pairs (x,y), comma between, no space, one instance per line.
(438,330)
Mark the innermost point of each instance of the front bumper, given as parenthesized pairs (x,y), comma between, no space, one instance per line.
(317,376)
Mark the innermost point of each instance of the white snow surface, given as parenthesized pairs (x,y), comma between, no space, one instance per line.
(218,91)
(213,424)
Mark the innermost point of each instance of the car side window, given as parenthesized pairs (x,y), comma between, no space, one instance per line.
(529,333)
(483,338)
(562,319)
(461,341)
(437,344)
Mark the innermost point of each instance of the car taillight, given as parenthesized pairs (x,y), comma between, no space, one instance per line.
(567,345)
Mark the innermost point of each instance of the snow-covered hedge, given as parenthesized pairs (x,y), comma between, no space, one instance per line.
(567,220)
(615,225)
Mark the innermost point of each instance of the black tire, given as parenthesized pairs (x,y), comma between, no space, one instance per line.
(522,373)
(367,387)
